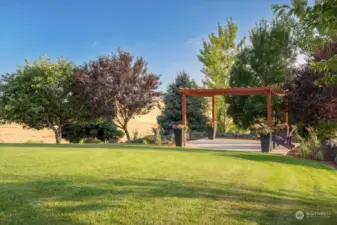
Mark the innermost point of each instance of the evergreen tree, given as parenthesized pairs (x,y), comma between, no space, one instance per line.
(171,114)
(217,56)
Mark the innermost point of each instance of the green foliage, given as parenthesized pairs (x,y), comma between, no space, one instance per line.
(217,56)
(320,18)
(40,95)
(149,139)
(171,114)
(103,131)
(319,156)
(261,127)
(312,137)
(265,62)
(309,143)
(305,150)
(326,129)
(91,141)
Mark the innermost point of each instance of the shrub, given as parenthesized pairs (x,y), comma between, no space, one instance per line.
(149,139)
(135,134)
(104,131)
(90,141)
(305,149)
(319,156)
(326,130)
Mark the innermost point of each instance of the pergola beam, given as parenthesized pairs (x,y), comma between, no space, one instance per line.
(209,92)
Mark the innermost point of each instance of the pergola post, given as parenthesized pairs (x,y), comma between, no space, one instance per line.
(213,109)
(183,113)
(286,115)
(269,109)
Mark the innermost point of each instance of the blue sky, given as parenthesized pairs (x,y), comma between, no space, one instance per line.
(167,33)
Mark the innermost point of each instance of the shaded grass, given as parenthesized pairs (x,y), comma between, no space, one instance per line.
(140,184)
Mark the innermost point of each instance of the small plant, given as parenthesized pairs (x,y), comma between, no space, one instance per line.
(135,134)
(319,156)
(312,139)
(305,149)
(91,141)
(261,128)
(149,139)
(211,124)
(179,126)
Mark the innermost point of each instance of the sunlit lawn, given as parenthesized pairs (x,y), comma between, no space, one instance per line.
(130,184)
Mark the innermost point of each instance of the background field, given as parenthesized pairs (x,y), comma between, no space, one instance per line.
(15,133)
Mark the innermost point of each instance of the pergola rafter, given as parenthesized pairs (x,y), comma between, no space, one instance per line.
(212,92)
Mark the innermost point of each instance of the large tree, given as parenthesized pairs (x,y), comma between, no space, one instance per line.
(311,104)
(40,95)
(119,86)
(266,62)
(195,107)
(217,56)
(320,19)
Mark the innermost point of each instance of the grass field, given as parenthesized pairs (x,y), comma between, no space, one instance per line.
(130,184)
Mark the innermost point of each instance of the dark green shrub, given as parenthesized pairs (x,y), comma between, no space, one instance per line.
(103,131)
(326,130)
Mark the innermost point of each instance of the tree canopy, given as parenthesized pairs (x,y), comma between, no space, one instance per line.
(119,86)
(265,62)
(319,19)
(217,56)
(195,107)
(40,95)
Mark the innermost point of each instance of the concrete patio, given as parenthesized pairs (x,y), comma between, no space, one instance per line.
(233,145)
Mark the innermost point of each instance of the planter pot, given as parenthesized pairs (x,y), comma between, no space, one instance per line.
(265,143)
(179,137)
(211,132)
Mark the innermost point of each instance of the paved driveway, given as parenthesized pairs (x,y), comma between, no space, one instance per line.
(232,145)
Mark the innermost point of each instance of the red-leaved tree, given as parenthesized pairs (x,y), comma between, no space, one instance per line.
(119,87)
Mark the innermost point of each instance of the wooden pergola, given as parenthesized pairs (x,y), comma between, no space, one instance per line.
(212,92)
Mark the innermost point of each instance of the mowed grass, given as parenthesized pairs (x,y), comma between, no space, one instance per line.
(140,184)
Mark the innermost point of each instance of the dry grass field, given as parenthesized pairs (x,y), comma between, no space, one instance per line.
(15,133)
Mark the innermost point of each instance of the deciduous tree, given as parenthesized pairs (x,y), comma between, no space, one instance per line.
(266,62)
(319,18)
(119,86)
(217,56)
(40,95)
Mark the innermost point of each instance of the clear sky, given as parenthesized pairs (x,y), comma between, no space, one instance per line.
(167,33)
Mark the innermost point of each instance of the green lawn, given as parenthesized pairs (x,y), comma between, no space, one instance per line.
(130,184)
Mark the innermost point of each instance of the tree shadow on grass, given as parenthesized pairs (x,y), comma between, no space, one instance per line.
(23,201)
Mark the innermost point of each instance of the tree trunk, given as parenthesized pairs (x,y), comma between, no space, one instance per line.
(125,128)
(58,135)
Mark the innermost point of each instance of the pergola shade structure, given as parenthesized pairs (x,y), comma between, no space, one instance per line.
(212,92)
